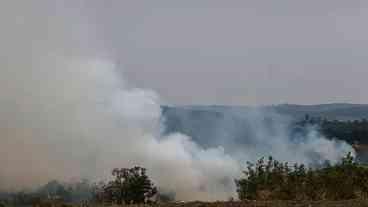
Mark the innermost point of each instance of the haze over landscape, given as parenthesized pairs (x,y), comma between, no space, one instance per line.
(190,90)
(240,52)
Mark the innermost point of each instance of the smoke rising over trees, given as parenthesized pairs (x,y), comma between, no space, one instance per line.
(130,186)
(65,105)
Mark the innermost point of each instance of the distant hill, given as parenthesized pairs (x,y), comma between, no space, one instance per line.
(234,125)
(336,111)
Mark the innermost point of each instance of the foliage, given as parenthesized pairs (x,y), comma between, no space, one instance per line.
(53,191)
(273,180)
(350,131)
(73,192)
(129,186)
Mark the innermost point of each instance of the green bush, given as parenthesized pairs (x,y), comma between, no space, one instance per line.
(274,180)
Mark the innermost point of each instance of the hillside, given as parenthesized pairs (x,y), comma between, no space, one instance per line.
(202,122)
(238,127)
(337,111)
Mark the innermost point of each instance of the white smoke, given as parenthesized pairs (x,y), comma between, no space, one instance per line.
(268,133)
(66,112)
(80,120)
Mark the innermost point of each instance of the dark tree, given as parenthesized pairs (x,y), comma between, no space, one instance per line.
(130,186)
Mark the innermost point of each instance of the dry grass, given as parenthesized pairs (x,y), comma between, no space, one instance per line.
(348,203)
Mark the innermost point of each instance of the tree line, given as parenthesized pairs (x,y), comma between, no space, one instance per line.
(266,179)
(52,191)
(128,186)
(273,180)
(353,132)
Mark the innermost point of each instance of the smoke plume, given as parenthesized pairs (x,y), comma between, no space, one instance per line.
(67,112)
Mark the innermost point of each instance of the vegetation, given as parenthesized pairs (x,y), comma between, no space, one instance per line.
(265,180)
(273,180)
(53,191)
(353,132)
(130,186)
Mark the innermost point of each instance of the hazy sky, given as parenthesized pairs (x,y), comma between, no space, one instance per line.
(62,101)
(235,52)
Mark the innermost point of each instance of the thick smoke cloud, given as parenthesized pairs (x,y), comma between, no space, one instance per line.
(84,122)
(248,133)
(66,113)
